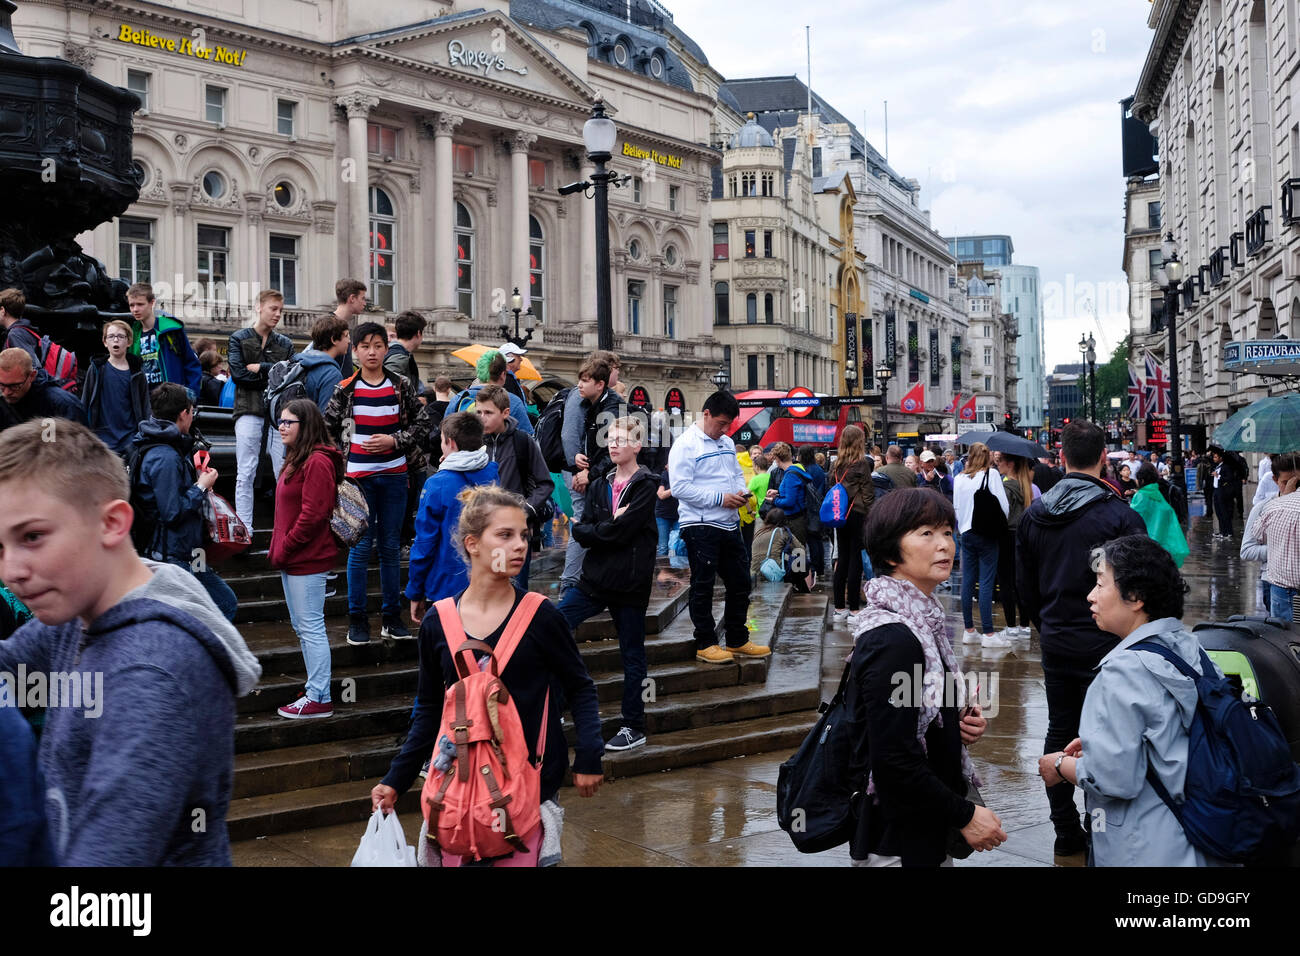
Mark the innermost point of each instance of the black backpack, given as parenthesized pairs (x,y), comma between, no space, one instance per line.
(549,432)
(987,518)
(812,504)
(144,527)
(284,383)
(814,788)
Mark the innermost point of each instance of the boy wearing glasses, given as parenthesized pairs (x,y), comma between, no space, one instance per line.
(28,392)
(116,393)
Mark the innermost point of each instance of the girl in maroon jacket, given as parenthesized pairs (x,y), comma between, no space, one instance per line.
(302,546)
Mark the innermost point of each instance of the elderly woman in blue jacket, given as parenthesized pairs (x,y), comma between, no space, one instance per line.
(1137,713)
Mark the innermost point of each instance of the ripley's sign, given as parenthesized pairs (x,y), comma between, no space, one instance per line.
(483,60)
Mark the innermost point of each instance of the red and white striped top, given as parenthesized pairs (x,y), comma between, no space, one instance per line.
(375,411)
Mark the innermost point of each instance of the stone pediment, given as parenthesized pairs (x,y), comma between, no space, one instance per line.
(487,49)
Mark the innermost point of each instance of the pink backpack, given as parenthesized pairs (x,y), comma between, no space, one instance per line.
(489,799)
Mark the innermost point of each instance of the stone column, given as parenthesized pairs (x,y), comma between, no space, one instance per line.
(357,175)
(517,276)
(182,252)
(444,213)
(587,253)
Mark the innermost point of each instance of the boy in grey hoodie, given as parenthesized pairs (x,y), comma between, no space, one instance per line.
(140,670)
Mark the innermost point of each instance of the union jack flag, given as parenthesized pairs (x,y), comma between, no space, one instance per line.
(1136,395)
(1157,389)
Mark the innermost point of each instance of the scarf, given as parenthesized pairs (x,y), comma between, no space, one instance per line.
(465,460)
(896,601)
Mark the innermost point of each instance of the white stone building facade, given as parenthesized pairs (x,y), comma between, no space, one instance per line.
(1218,89)
(417,146)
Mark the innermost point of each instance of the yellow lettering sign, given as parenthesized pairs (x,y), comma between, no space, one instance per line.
(182,46)
(661,159)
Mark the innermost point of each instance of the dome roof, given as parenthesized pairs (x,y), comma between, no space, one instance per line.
(751,134)
(977,286)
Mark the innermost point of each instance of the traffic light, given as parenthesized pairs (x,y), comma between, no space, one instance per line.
(1065,421)
(1006,422)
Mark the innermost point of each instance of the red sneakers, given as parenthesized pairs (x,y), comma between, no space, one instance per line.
(304,709)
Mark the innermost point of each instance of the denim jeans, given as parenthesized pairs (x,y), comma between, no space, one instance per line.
(305,595)
(629,620)
(1279,601)
(665,526)
(979,561)
(248,451)
(573,555)
(220,592)
(386,498)
(713,552)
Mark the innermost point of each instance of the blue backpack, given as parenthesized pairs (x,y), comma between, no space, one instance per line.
(836,506)
(1242,793)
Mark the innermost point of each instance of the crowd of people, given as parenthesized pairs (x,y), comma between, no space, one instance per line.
(107,556)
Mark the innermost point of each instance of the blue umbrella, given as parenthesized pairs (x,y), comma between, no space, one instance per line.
(1005,442)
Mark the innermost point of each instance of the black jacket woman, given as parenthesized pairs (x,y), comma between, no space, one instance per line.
(853,470)
(910,741)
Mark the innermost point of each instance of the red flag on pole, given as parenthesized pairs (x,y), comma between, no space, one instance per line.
(967,413)
(952,406)
(914,400)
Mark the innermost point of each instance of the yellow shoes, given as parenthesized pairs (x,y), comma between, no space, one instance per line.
(750,649)
(714,655)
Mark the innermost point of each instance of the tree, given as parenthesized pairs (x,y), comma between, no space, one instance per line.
(1112,382)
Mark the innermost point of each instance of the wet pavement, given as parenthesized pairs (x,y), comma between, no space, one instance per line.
(724,814)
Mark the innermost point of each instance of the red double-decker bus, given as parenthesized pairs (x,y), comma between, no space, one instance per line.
(764,425)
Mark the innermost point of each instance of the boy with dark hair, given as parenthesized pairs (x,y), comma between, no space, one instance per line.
(710,489)
(330,341)
(161,343)
(212,387)
(618,528)
(521,468)
(1054,543)
(115,395)
(171,494)
(138,765)
(437,570)
(375,421)
(599,408)
(28,392)
(401,354)
(252,351)
(19,333)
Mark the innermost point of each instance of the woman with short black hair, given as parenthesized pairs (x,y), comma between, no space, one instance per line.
(1137,714)
(910,741)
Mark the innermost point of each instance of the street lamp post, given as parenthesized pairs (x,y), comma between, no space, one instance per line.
(516,306)
(599,135)
(721,378)
(1088,352)
(850,378)
(1169,275)
(884,372)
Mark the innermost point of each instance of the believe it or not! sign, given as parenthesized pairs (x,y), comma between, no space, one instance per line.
(662,159)
(194,45)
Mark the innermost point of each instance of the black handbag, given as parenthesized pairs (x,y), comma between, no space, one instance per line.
(987,518)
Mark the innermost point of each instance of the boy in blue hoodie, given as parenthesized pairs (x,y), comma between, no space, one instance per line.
(330,341)
(436,569)
(136,751)
(24,834)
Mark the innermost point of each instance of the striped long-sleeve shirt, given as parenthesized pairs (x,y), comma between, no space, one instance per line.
(374,412)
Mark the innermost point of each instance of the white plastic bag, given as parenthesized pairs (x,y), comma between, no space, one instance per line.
(384,843)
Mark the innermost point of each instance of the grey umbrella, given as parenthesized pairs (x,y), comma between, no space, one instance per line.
(1007,443)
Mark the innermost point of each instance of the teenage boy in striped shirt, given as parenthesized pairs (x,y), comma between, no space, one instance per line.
(374,418)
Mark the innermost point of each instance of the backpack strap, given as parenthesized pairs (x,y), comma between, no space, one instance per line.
(516,626)
(1186,670)
(452,629)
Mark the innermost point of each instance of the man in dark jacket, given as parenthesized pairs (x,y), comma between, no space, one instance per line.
(19,333)
(514,356)
(170,493)
(1229,471)
(400,359)
(520,465)
(252,352)
(1046,475)
(1054,574)
(618,528)
(28,392)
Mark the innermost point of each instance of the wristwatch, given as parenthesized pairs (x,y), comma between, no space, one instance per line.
(1057,766)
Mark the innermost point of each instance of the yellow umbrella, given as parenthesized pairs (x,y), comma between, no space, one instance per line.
(472,353)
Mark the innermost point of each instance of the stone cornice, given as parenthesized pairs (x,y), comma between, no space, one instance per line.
(1166,47)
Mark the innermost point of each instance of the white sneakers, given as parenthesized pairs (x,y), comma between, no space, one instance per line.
(1000,639)
(970,637)
(840,617)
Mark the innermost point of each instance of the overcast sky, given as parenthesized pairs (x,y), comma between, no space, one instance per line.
(1006,112)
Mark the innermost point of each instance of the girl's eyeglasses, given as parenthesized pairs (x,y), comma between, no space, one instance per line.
(286,422)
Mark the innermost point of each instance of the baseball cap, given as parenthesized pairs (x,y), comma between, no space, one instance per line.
(927,456)
(510,350)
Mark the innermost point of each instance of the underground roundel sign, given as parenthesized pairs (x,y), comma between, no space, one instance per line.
(799,392)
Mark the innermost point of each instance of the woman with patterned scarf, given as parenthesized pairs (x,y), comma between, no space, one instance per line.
(907,699)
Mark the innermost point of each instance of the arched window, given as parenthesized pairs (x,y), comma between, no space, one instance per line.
(721,304)
(536,267)
(751,309)
(464,261)
(769,309)
(383,234)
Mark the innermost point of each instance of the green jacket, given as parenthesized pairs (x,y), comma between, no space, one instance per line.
(1161,521)
(177,358)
